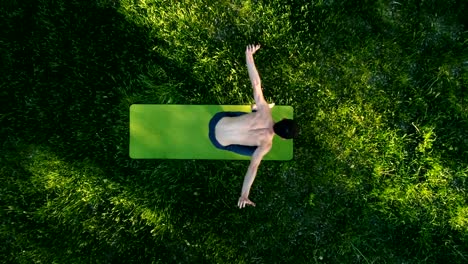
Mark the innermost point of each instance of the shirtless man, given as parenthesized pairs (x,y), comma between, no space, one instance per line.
(250,133)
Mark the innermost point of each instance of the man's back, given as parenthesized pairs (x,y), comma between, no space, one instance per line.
(253,129)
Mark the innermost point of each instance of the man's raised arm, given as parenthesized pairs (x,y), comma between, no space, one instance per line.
(253,75)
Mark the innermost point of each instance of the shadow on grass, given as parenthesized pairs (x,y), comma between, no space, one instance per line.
(71,72)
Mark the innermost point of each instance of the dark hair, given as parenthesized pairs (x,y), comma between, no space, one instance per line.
(286,128)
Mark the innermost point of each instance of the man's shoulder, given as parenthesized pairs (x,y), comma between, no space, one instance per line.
(264,112)
(267,138)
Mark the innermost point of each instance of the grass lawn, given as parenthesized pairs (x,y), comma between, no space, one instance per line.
(380,170)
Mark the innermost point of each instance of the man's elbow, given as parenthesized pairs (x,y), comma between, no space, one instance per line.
(257,84)
(254,164)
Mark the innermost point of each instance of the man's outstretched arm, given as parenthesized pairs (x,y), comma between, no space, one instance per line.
(253,75)
(250,175)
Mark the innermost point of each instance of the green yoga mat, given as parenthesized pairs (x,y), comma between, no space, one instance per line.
(181,132)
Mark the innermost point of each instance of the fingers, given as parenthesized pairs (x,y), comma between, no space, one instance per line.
(248,203)
(252,48)
(242,205)
(243,202)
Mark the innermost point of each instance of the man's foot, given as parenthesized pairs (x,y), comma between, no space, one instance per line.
(254,106)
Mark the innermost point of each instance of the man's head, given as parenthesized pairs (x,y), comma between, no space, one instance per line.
(286,129)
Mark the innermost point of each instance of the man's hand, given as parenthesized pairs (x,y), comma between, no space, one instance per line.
(251,49)
(243,201)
